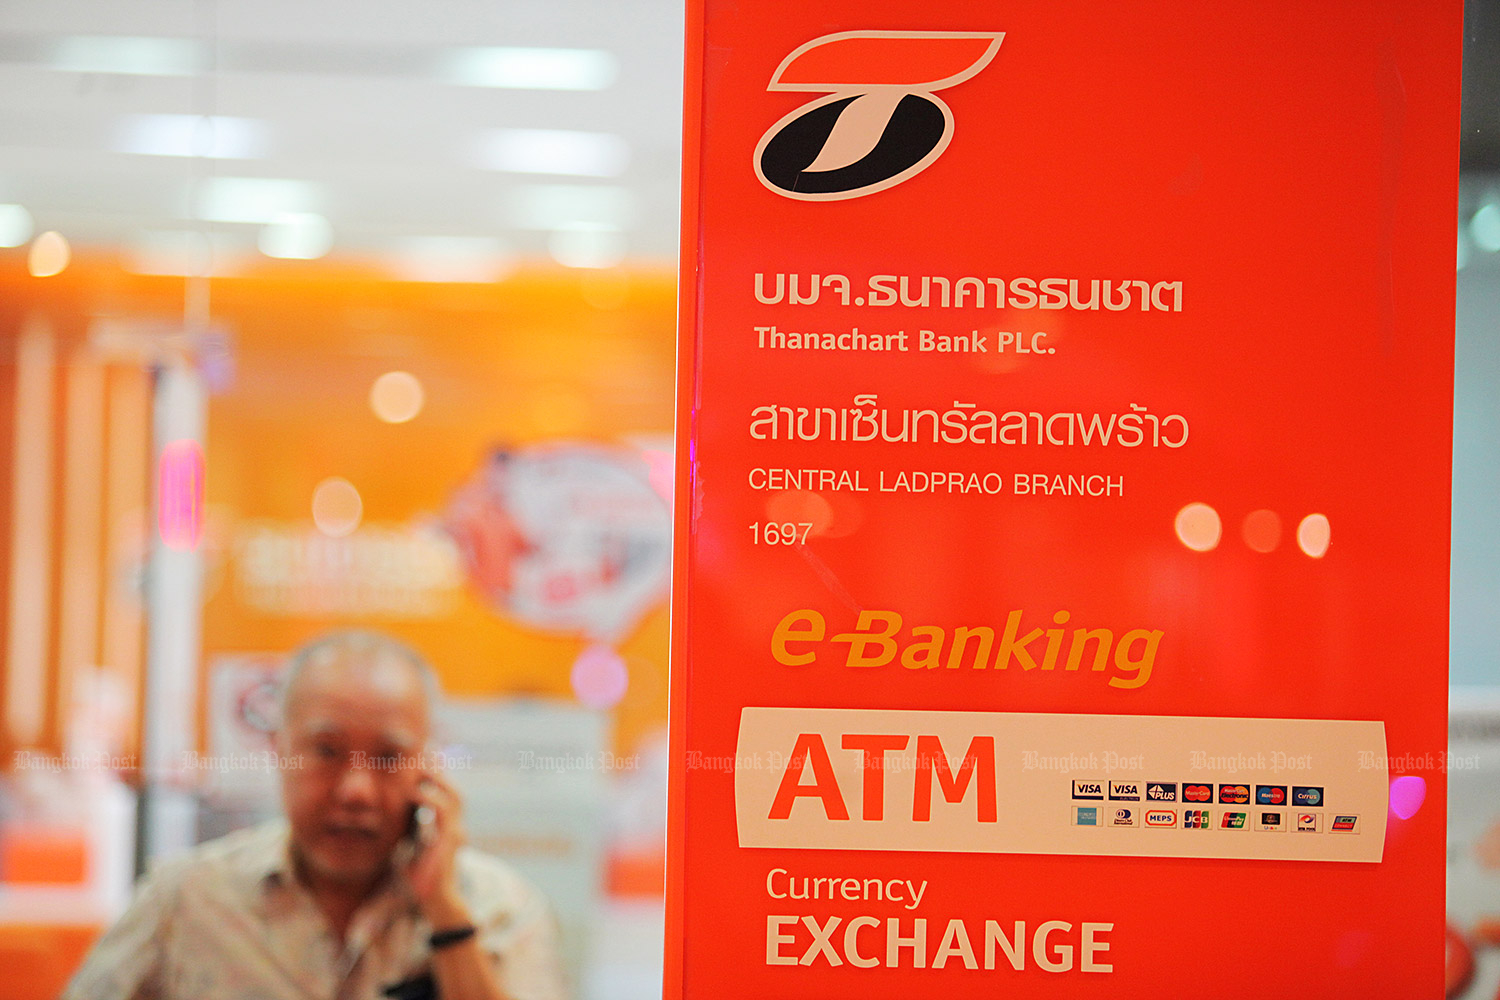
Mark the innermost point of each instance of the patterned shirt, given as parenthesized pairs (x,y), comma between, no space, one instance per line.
(230,921)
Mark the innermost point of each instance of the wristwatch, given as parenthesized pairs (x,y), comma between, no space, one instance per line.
(453,935)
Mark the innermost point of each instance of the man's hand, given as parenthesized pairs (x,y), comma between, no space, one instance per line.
(462,970)
(432,873)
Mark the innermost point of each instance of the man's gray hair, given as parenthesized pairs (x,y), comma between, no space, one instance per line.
(359,644)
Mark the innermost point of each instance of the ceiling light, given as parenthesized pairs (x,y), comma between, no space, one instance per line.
(1485,228)
(129,55)
(219,136)
(296,236)
(15,225)
(472,259)
(591,247)
(529,69)
(563,206)
(253,199)
(184,252)
(553,151)
(49,255)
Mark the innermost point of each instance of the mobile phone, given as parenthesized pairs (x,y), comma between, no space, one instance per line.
(418,823)
(413,823)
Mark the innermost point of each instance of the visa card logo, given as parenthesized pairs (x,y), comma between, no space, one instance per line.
(1088,790)
(1125,791)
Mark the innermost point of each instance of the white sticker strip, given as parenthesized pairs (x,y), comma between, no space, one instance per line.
(1002,782)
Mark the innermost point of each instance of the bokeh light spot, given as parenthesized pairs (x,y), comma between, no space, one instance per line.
(397,397)
(1199,527)
(799,507)
(1262,530)
(599,677)
(49,255)
(1314,534)
(337,507)
(1408,792)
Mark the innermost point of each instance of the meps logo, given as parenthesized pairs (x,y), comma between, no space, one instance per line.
(881,122)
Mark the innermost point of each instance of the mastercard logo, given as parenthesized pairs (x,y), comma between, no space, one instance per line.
(1234,794)
(1197,793)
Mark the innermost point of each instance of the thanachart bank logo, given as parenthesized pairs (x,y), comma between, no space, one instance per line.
(881,121)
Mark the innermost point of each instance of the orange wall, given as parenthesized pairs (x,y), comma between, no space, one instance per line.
(544,355)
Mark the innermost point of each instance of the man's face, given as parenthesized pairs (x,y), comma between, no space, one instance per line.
(357,730)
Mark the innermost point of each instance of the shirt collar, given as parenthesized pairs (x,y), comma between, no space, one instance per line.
(271,864)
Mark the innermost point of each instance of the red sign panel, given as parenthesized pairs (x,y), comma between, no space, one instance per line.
(1064,416)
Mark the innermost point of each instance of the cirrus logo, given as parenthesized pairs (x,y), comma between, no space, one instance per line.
(881,121)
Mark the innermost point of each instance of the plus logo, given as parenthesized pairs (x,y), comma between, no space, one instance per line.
(881,121)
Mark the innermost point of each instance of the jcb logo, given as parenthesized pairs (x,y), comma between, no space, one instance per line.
(881,122)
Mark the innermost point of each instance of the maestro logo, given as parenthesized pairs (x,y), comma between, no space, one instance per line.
(881,121)
(1270,795)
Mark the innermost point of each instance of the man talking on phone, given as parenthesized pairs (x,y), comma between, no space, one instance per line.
(364,891)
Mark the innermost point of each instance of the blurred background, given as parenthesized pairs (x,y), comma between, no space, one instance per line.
(361,312)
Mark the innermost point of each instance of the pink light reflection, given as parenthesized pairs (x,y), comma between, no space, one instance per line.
(179,511)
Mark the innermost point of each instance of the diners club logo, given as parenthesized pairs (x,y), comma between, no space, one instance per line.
(881,121)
